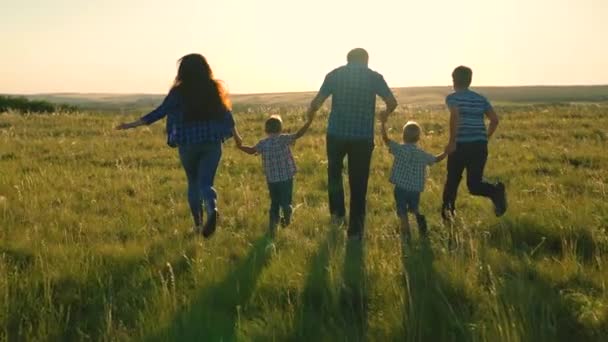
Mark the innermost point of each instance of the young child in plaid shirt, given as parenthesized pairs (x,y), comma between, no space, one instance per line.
(279,167)
(408,174)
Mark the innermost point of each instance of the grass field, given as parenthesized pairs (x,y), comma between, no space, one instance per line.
(410,96)
(95,241)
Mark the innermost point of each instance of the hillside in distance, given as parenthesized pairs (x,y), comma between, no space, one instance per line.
(422,96)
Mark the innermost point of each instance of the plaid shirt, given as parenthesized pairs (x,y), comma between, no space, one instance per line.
(409,167)
(354,88)
(277,160)
(181,133)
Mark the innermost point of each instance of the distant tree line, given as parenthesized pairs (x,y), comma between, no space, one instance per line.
(24,105)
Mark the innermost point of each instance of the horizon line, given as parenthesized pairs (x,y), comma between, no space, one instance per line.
(302,91)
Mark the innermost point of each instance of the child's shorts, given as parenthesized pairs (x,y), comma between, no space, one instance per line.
(406,201)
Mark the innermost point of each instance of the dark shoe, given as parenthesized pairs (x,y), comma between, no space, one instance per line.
(210,225)
(422,228)
(285,221)
(500,200)
(448,214)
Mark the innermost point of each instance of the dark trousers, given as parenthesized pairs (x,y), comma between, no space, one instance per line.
(281,194)
(472,157)
(359,154)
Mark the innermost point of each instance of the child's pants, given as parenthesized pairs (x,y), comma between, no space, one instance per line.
(280,199)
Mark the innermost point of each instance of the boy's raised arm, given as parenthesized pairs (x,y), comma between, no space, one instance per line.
(239,144)
(441,156)
(247,149)
(304,128)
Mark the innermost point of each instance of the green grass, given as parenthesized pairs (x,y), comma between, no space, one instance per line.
(95,243)
(410,96)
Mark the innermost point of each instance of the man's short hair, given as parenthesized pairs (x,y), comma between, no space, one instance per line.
(462,76)
(358,55)
(274,124)
(411,132)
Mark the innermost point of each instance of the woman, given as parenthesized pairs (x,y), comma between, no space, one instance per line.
(199,120)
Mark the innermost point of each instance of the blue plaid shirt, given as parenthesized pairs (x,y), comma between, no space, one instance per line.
(181,133)
(353,88)
(409,167)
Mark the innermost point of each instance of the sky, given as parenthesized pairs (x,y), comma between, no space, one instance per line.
(255,46)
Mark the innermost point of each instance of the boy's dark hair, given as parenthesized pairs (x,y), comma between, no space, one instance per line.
(462,76)
(274,124)
(357,55)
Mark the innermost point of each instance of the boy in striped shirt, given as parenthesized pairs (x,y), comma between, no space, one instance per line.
(409,174)
(279,167)
(468,145)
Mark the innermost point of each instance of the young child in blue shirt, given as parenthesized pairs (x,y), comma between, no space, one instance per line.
(409,174)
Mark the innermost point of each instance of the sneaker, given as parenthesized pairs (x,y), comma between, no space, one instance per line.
(285,221)
(500,201)
(448,214)
(210,225)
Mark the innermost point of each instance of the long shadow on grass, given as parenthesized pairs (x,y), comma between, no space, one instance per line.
(213,316)
(354,294)
(433,311)
(529,306)
(313,312)
(82,304)
(538,308)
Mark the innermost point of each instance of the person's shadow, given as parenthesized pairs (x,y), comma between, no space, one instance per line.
(354,295)
(214,314)
(316,296)
(429,313)
(324,313)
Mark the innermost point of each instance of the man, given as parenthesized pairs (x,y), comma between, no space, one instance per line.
(350,132)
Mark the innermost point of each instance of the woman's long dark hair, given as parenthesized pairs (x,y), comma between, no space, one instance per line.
(204,97)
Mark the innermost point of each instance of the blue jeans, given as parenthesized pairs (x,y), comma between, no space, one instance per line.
(200,161)
(281,194)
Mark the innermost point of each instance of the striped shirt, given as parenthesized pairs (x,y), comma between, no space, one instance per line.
(471,108)
(277,160)
(180,133)
(353,88)
(409,166)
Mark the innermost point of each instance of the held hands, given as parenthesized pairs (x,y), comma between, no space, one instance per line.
(310,115)
(451,147)
(383,115)
(238,140)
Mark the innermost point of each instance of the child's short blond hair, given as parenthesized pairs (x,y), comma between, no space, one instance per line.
(411,132)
